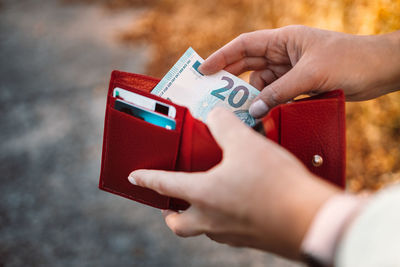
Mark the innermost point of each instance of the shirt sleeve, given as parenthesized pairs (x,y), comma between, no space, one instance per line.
(373,237)
(321,240)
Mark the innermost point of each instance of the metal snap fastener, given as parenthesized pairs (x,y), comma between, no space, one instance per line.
(317,160)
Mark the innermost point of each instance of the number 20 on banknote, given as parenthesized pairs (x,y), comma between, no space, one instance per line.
(231,97)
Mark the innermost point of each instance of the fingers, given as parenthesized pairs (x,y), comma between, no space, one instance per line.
(187,223)
(226,128)
(174,184)
(295,82)
(253,44)
(246,64)
(229,239)
(260,78)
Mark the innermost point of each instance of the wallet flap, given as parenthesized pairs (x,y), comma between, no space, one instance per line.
(313,129)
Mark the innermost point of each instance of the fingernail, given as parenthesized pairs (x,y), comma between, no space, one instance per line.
(258,109)
(206,70)
(201,70)
(132,179)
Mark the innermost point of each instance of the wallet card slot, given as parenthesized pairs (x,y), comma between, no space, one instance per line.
(131,144)
(140,121)
(180,111)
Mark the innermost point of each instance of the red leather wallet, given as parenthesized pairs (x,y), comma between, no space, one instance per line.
(313,129)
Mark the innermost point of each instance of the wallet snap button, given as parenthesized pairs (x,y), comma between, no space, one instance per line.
(317,160)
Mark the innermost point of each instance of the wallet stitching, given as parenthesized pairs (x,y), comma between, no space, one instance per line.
(188,130)
(107,130)
(342,136)
(130,196)
(177,151)
(105,145)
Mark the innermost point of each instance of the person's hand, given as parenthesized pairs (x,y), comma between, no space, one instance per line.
(296,60)
(259,196)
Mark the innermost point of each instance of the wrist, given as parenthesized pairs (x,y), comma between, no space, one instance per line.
(321,193)
(388,58)
(305,202)
(394,41)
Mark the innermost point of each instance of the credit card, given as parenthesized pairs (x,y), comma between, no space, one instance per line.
(145,114)
(145,102)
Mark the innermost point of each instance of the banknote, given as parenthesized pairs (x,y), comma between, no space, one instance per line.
(186,86)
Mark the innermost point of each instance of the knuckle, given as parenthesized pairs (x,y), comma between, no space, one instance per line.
(294,28)
(242,39)
(243,36)
(176,226)
(245,64)
(255,78)
(201,195)
(198,195)
(313,73)
(179,231)
(158,186)
(236,244)
(275,96)
(254,75)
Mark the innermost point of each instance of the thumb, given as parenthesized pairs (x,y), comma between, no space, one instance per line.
(293,83)
(187,223)
(226,128)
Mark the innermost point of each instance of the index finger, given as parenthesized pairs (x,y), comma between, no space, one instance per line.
(252,44)
(168,183)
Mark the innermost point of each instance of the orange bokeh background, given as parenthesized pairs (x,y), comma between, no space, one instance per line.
(373,127)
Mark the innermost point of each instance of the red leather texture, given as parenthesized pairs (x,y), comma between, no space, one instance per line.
(313,126)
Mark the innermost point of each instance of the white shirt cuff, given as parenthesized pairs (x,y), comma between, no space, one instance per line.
(328,225)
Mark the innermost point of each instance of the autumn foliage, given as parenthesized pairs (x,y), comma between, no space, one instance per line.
(373,127)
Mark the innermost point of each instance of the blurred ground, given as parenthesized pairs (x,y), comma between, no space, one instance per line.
(55,62)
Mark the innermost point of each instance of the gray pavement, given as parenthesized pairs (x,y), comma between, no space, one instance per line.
(55,62)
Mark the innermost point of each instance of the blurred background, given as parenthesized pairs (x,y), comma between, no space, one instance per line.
(56,57)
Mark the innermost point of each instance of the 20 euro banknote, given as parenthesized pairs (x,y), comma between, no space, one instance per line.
(186,86)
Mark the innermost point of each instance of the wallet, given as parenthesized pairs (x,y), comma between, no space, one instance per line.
(313,129)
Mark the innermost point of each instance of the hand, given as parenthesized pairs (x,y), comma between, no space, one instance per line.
(259,196)
(298,60)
